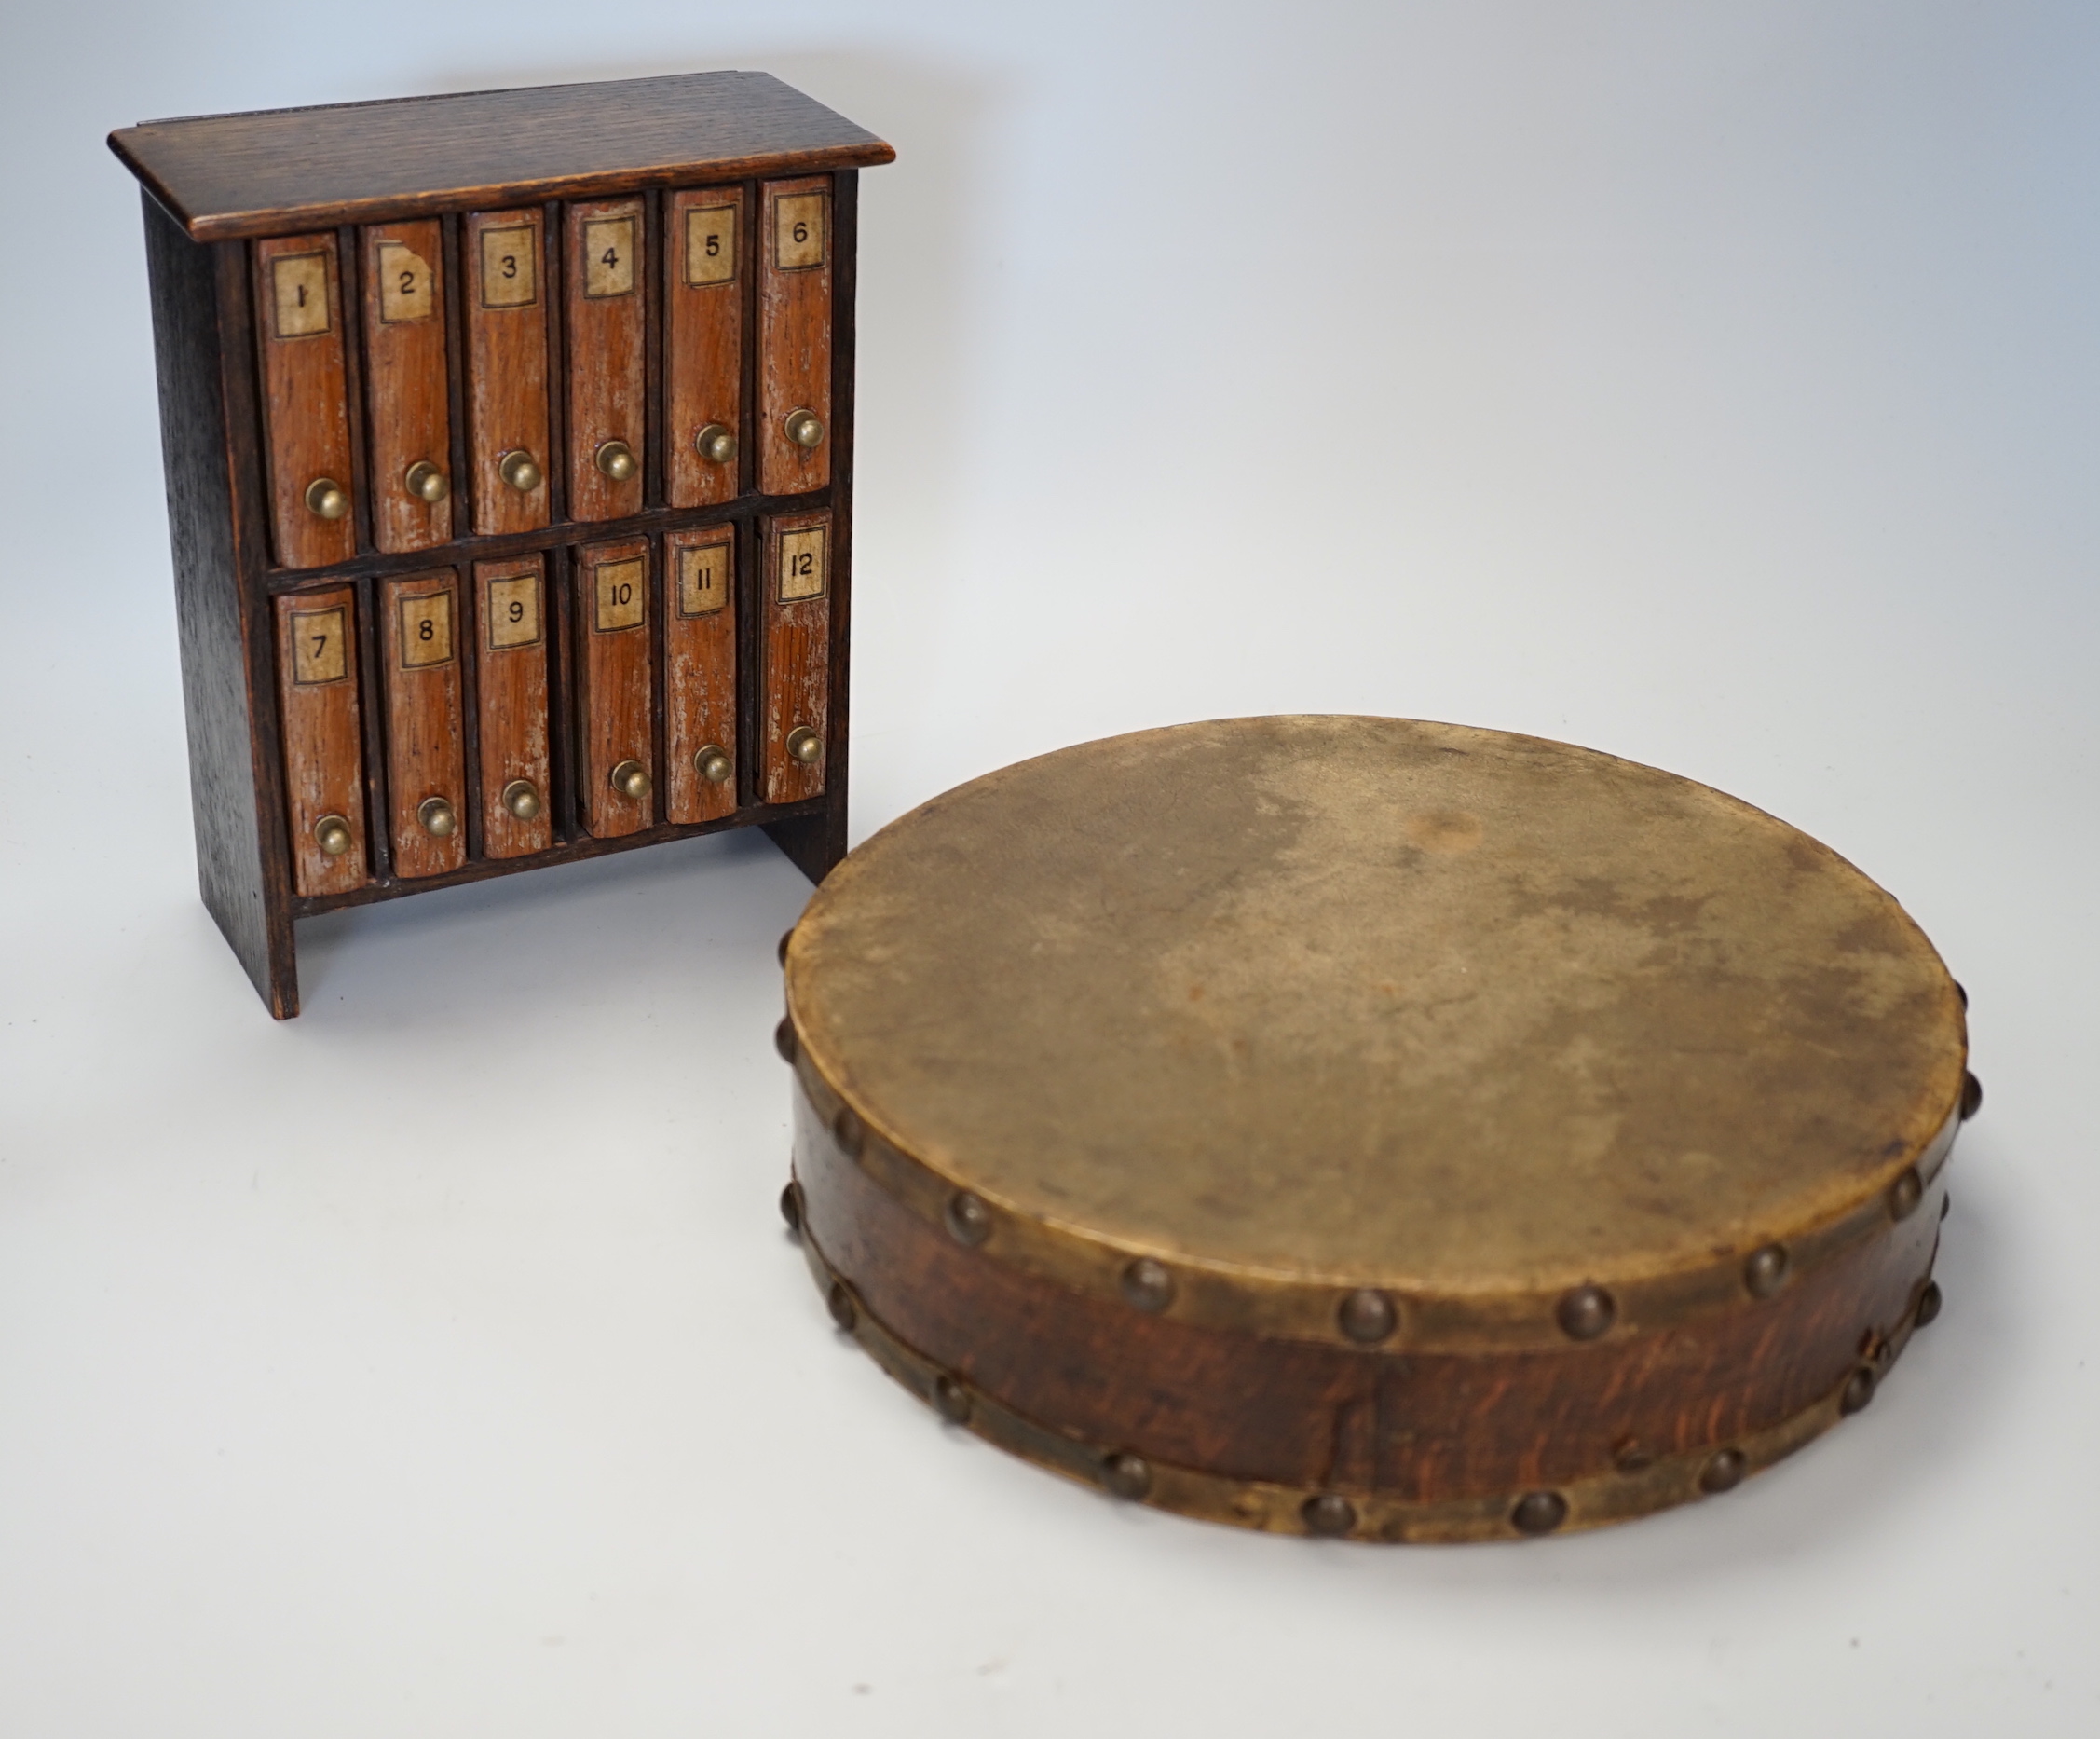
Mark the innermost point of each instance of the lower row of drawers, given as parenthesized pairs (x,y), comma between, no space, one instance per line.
(652,636)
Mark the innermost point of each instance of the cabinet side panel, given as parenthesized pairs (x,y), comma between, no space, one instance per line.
(612,672)
(798,657)
(421,629)
(604,287)
(796,252)
(405,386)
(239,878)
(299,318)
(510,604)
(502,262)
(700,674)
(703,348)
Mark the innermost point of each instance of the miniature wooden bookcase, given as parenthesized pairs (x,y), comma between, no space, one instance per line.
(508,443)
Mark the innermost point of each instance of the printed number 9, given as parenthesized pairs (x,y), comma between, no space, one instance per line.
(517,610)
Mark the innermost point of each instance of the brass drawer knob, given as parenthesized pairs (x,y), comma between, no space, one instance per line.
(327,497)
(520,470)
(631,779)
(805,427)
(716,443)
(713,764)
(439,820)
(331,833)
(804,744)
(521,797)
(616,459)
(426,483)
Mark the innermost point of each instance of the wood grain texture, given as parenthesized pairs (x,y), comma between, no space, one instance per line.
(407,399)
(420,630)
(704,250)
(614,701)
(510,684)
(699,670)
(205,365)
(226,176)
(324,758)
(797,652)
(298,301)
(795,311)
(606,310)
(1423,1427)
(507,374)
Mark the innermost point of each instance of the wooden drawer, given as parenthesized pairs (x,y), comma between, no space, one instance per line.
(700,749)
(306,409)
(704,250)
(420,638)
(517,778)
(799,555)
(407,398)
(614,738)
(508,428)
(607,315)
(316,666)
(795,336)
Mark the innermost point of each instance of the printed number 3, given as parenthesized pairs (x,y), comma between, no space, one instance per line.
(510,266)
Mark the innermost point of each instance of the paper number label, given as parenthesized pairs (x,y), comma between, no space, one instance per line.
(320,646)
(711,246)
(299,287)
(510,260)
(622,593)
(426,630)
(609,256)
(801,564)
(703,580)
(514,612)
(798,231)
(405,284)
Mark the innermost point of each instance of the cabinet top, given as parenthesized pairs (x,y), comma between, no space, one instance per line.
(279,170)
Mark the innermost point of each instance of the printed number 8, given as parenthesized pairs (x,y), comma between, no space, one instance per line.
(425,629)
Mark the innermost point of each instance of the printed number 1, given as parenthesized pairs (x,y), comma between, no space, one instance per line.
(302,296)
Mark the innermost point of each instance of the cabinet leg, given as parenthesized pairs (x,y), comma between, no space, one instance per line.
(813,844)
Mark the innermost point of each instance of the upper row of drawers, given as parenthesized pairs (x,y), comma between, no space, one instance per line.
(603,266)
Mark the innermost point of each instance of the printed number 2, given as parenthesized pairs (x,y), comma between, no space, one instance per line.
(805,563)
(407,284)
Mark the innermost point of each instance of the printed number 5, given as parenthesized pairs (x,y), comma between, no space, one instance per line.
(714,246)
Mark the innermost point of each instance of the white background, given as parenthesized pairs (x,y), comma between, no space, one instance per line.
(1711,384)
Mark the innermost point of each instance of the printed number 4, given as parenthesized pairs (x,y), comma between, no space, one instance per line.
(609,259)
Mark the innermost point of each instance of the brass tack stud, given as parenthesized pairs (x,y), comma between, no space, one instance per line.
(1971,1096)
(1147,1285)
(1724,1471)
(784,1039)
(1127,1476)
(1631,1456)
(1765,1270)
(791,1205)
(1904,1195)
(786,936)
(1367,1316)
(951,1401)
(1929,1302)
(1858,1390)
(1539,1513)
(840,1302)
(969,1221)
(1329,1515)
(331,833)
(437,817)
(425,482)
(847,1131)
(326,499)
(521,797)
(1960,992)
(1585,1312)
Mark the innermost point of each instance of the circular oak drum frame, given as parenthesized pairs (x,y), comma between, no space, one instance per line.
(1370,1404)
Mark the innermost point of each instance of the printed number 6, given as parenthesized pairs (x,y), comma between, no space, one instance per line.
(801,232)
